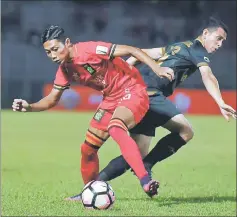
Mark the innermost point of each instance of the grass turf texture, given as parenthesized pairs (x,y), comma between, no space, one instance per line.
(41,158)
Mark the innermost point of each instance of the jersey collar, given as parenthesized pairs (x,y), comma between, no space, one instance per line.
(74,52)
(199,38)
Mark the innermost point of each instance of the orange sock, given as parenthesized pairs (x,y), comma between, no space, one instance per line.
(89,157)
(118,131)
(89,163)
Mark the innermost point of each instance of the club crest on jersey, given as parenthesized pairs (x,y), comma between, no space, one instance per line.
(89,68)
(206,59)
(99,115)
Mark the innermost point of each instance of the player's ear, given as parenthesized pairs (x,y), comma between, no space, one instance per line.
(205,32)
(68,42)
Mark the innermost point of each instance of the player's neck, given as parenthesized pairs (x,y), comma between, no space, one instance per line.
(199,38)
(72,53)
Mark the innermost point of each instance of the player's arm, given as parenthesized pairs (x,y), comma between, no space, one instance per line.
(124,50)
(154,53)
(61,83)
(44,104)
(213,89)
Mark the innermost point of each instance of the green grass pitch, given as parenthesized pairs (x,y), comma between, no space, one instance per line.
(40,160)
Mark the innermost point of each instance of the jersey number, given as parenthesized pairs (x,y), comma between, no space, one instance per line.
(127,96)
(175,49)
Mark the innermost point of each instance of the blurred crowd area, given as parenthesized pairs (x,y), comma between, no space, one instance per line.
(144,24)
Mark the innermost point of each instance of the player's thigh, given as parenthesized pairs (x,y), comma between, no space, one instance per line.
(161,110)
(132,108)
(124,114)
(147,126)
(143,143)
(178,124)
(99,124)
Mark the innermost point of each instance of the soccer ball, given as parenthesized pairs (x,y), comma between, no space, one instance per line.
(97,195)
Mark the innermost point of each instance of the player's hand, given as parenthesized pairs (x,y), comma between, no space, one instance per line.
(165,72)
(227,111)
(20,105)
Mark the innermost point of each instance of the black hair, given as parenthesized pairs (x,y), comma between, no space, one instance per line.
(53,32)
(214,23)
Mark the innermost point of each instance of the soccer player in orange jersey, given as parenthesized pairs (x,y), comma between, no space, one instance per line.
(125,101)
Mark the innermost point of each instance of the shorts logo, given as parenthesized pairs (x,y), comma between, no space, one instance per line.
(99,115)
(184,77)
(89,68)
(207,59)
(101,50)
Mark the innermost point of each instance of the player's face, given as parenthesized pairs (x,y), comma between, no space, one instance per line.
(213,39)
(57,51)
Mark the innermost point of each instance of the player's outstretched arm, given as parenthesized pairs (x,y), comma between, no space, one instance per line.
(47,102)
(212,87)
(154,53)
(125,50)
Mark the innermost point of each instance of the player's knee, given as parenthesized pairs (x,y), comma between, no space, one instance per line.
(116,123)
(143,148)
(143,143)
(92,143)
(144,152)
(187,133)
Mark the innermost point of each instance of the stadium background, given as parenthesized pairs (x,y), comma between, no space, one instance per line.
(160,23)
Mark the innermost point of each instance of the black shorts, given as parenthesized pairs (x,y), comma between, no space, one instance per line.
(161,110)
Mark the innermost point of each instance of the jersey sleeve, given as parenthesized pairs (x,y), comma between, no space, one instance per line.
(200,57)
(61,82)
(102,50)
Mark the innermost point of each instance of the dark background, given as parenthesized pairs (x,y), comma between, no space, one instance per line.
(145,24)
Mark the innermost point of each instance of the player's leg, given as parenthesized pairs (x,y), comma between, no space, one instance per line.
(121,121)
(181,133)
(142,134)
(130,112)
(95,138)
(164,113)
(96,135)
(119,165)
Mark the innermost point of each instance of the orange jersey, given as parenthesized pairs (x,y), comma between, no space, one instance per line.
(93,65)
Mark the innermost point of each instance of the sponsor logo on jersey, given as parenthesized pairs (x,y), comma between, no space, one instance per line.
(89,68)
(101,50)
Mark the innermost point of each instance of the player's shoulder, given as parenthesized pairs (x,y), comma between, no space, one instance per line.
(198,45)
(91,43)
(98,47)
(175,46)
(83,49)
(84,44)
(195,47)
(190,44)
(198,51)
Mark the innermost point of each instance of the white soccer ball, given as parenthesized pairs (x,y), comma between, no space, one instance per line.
(97,195)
